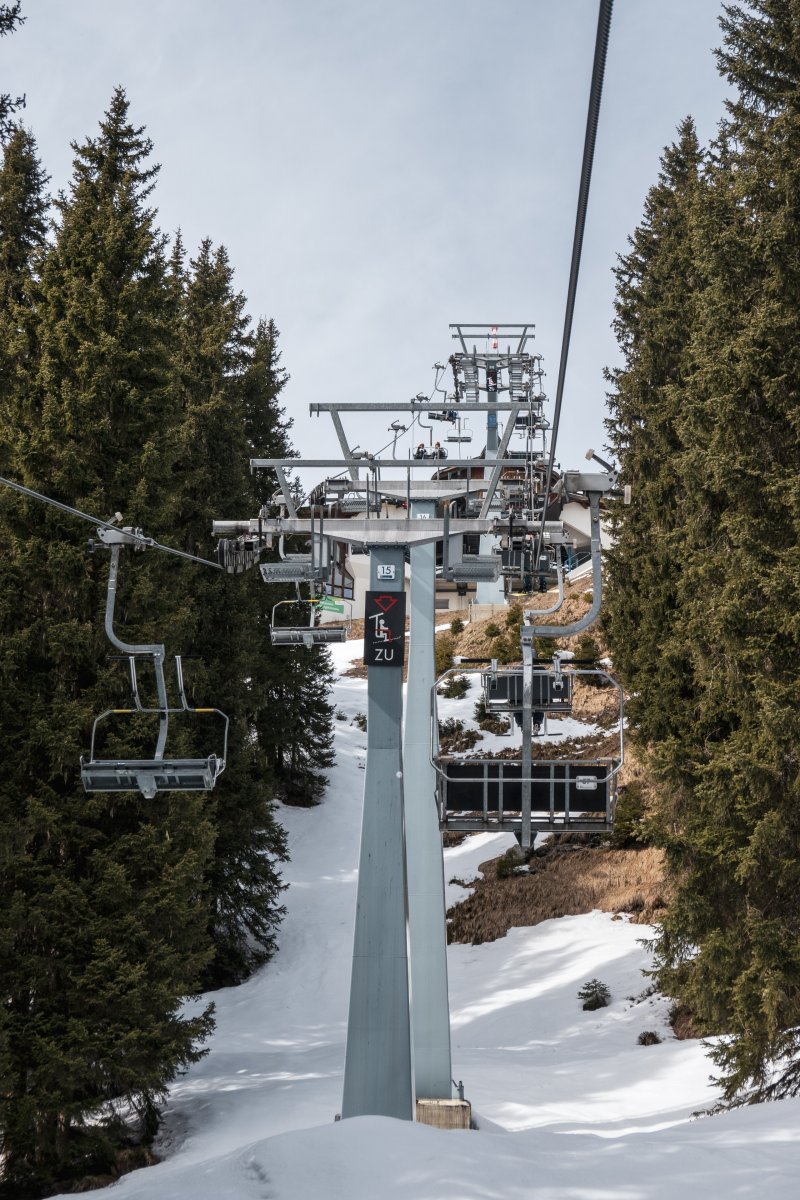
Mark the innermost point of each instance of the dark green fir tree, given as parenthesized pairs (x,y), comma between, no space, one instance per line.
(102,911)
(23,232)
(10,19)
(658,286)
(220,379)
(295,683)
(301,748)
(730,942)
(23,225)
(724,752)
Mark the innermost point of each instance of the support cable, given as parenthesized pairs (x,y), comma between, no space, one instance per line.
(135,537)
(598,69)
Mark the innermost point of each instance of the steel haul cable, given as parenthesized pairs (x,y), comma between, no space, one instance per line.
(76,512)
(598,70)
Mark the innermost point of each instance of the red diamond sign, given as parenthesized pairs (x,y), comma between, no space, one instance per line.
(384,603)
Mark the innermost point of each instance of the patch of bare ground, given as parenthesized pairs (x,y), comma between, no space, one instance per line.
(599,705)
(564,877)
(683,1023)
(126,1159)
(475,642)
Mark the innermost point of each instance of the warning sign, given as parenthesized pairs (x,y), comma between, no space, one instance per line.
(384,629)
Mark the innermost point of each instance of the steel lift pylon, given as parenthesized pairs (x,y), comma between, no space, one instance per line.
(398,1041)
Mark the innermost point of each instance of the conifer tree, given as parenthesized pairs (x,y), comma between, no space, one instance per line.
(219,376)
(10,17)
(101,906)
(300,746)
(295,684)
(658,284)
(23,231)
(728,945)
(739,850)
(23,210)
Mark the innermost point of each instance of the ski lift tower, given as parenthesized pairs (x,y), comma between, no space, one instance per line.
(400,900)
(400,885)
(492,371)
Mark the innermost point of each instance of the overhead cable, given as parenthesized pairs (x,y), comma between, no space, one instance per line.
(598,70)
(76,512)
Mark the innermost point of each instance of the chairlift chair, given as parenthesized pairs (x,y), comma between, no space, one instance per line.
(458,567)
(487,795)
(551,693)
(352,502)
(161,773)
(311,634)
(294,568)
(516,559)
(309,567)
(472,568)
(461,434)
(526,795)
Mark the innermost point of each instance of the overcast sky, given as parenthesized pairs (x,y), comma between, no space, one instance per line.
(381,169)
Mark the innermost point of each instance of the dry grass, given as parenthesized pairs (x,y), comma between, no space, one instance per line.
(473,641)
(683,1023)
(563,879)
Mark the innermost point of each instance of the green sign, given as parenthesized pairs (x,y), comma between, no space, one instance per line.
(328,604)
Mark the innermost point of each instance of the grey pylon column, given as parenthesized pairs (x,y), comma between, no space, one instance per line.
(490,591)
(430,1010)
(377,1072)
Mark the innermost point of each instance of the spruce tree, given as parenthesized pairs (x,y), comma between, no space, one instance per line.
(102,912)
(294,683)
(658,285)
(23,213)
(23,231)
(10,18)
(300,746)
(220,369)
(740,857)
(728,945)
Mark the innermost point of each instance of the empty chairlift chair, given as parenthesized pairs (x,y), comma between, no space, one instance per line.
(462,434)
(503,691)
(162,772)
(517,559)
(305,633)
(458,567)
(311,566)
(528,795)
(488,795)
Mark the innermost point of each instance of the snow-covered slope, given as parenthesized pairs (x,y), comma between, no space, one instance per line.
(569,1106)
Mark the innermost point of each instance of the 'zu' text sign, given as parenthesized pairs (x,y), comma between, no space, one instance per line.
(384,629)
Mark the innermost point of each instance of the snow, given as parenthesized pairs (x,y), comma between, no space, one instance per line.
(568,1105)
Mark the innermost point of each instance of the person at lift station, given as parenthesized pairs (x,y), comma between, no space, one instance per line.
(420,451)
(438,451)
